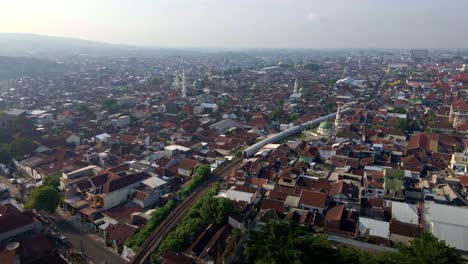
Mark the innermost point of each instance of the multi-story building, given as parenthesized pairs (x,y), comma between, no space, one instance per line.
(458,114)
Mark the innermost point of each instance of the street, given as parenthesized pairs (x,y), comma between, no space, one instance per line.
(83,240)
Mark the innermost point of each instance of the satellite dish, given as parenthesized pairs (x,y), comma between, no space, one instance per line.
(12,246)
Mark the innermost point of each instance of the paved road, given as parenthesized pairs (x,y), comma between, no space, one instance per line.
(11,187)
(359,244)
(93,249)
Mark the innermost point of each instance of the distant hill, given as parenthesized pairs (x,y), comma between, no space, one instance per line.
(17,44)
(14,67)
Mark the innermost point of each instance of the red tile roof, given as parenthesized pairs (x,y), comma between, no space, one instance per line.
(335,213)
(188,164)
(315,199)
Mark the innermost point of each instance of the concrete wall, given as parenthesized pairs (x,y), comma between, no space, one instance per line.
(117,197)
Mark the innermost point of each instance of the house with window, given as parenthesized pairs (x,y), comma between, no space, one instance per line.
(459,163)
(313,201)
(393,184)
(187,167)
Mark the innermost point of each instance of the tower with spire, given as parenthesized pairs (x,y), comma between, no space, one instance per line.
(184,85)
(176,83)
(338,119)
(296,86)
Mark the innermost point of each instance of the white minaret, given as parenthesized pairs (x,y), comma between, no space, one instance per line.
(184,85)
(338,119)
(176,81)
(296,86)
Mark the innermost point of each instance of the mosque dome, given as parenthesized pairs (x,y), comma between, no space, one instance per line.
(325,125)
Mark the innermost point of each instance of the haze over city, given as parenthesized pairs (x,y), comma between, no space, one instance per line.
(245,23)
(233,132)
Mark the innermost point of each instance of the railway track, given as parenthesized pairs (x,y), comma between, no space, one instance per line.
(176,216)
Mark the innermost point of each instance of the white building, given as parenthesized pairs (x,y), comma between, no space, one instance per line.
(242,193)
(372,227)
(447,223)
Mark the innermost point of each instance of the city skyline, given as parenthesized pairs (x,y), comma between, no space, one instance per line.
(245,24)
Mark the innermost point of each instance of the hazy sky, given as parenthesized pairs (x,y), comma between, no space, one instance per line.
(246,23)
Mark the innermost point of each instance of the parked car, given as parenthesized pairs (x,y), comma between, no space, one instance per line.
(13,180)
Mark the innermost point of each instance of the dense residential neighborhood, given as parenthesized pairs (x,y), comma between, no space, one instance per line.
(116,148)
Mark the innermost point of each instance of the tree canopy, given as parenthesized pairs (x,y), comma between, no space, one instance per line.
(111,105)
(204,170)
(427,249)
(312,67)
(45,198)
(5,155)
(53,181)
(21,147)
(215,210)
(287,242)
(402,124)
(156,218)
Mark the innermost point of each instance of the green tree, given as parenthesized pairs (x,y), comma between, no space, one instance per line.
(45,198)
(215,210)
(21,147)
(53,181)
(399,110)
(204,170)
(278,115)
(312,67)
(428,249)
(84,108)
(402,124)
(5,155)
(292,118)
(155,81)
(287,242)
(111,105)
(157,217)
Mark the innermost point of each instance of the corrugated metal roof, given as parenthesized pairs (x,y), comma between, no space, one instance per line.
(448,223)
(404,212)
(376,227)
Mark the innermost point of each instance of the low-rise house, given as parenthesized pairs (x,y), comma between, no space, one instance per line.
(393,184)
(29,166)
(73,139)
(70,177)
(374,207)
(108,189)
(375,184)
(187,167)
(403,232)
(119,233)
(16,224)
(102,138)
(224,126)
(150,192)
(405,212)
(345,193)
(369,227)
(459,163)
(243,193)
(341,221)
(121,121)
(313,201)
(213,252)
(458,113)
(172,150)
